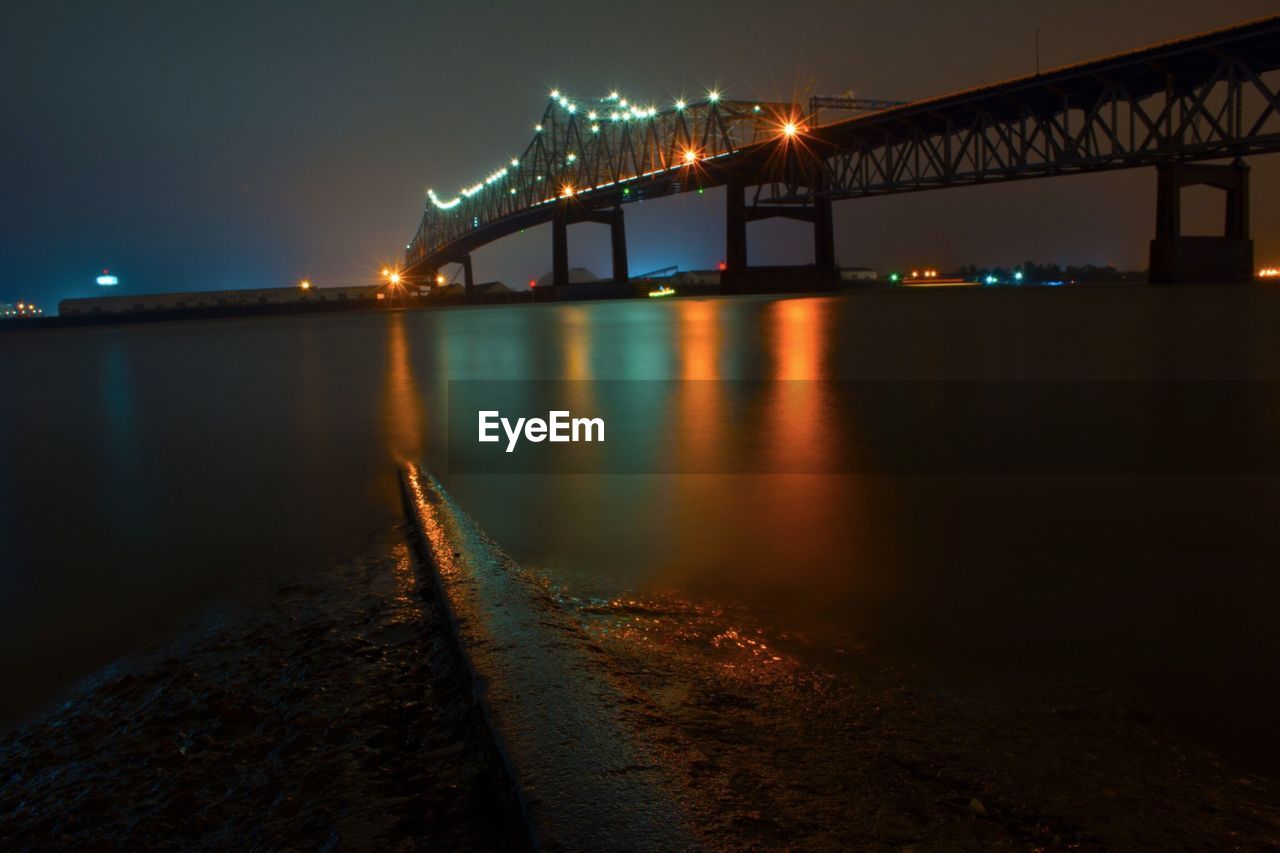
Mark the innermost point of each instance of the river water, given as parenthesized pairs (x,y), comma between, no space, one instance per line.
(148,471)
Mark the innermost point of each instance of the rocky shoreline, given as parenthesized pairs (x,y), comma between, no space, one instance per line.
(779,754)
(331,713)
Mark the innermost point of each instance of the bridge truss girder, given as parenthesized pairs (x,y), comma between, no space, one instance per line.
(1201,99)
(581,152)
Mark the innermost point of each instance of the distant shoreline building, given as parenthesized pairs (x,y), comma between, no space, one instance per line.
(170,303)
(857,274)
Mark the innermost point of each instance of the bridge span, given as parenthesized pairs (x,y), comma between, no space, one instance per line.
(1173,106)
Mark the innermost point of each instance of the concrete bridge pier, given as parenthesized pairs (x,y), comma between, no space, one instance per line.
(618,245)
(468,279)
(567,214)
(735,240)
(824,234)
(1175,258)
(739,277)
(560,245)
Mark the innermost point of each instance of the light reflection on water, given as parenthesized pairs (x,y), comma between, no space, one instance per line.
(402,409)
(170,464)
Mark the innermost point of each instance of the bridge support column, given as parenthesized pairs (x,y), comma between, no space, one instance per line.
(735,240)
(468,280)
(1175,258)
(824,235)
(618,241)
(560,245)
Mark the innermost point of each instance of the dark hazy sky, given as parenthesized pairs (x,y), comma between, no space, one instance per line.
(209,145)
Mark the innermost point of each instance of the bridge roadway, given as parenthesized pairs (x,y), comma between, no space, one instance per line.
(1211,96)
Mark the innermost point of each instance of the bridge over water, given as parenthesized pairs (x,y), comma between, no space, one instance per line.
(1173,106)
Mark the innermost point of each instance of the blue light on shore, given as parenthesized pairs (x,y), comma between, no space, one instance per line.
(107,280)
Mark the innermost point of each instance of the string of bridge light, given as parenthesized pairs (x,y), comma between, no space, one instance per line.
(621,110)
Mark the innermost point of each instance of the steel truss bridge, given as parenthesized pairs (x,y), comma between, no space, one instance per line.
(1212,96)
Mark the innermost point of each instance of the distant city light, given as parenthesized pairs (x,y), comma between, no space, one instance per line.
(1269,272)
(680,105)
(1018,275)
(107,280)
(23,309)
(789,129)
(690,155)
(713,96)
(305,284)
(439,278)
(395,278)
(991,279)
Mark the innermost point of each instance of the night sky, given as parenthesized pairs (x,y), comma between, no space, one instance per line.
(222,145)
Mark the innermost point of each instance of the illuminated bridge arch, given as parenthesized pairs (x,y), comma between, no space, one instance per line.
(589,156)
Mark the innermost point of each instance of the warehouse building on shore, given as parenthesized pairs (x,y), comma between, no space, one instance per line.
(226,300)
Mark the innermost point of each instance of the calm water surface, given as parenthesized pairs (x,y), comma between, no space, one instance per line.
(148,471)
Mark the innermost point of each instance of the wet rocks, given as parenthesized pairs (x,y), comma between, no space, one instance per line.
(332,713)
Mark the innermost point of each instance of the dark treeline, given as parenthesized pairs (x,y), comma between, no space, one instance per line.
(1034,273)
